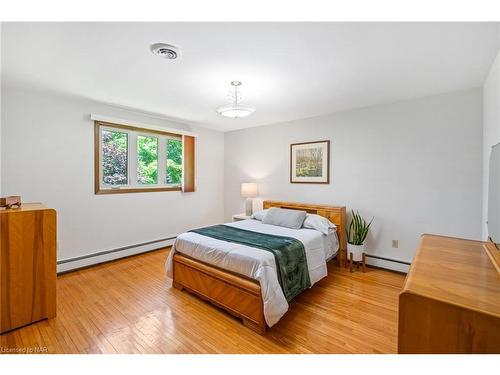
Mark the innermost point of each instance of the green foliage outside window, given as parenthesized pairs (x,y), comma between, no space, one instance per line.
(115,160)
(147,160)
(114,157)
(174,161)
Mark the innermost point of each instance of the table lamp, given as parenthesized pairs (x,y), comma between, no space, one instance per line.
(249,190)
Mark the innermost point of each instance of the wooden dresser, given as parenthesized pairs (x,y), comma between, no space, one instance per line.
(450,302)
(28,265)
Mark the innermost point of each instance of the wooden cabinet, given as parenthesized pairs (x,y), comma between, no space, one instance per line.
(28,265)
(450,302)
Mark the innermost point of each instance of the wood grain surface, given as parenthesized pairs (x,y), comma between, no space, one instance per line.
(28,265)
(451,299)
(128,306)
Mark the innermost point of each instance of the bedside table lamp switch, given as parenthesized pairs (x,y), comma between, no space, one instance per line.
(249,190)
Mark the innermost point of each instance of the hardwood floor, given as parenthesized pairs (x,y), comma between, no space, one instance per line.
(128,306)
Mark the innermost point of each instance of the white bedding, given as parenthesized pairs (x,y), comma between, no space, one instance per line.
(256,263)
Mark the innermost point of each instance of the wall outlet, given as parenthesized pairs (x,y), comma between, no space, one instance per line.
(395,243)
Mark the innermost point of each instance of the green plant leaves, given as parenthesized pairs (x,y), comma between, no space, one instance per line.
(358,229)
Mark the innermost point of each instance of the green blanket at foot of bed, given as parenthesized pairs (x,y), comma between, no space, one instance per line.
(289,254)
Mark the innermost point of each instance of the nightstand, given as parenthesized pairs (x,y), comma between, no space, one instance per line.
(239,217)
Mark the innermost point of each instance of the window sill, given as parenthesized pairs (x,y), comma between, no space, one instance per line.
(136,190)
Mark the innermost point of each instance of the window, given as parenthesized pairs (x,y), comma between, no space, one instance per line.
(147,160)
(114,158)
(174,161)
(131,159)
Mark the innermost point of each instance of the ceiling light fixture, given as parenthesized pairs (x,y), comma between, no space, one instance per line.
(165,51)
(235,109)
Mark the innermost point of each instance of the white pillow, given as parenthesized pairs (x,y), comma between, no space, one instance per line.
(319,223)
(259,215)
(284,218)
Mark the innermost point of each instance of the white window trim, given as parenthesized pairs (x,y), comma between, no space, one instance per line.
(132,158)
(146,127)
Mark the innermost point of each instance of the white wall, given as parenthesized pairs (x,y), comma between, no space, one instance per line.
(414,165)
(49,158)
(491,128)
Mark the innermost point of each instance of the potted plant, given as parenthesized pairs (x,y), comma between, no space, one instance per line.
(356,235)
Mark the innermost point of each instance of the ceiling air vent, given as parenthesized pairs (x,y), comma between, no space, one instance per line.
(165,51)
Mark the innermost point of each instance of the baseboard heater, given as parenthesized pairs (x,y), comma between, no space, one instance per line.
(388,259)
(68,260)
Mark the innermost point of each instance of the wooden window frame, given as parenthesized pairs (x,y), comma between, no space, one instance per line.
(98,189)
(188,164)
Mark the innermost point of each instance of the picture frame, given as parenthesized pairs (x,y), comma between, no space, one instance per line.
(310,162)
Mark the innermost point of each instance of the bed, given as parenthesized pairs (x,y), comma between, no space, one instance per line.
(242,279)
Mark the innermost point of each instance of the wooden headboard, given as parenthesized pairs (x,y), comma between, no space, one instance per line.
(336,214)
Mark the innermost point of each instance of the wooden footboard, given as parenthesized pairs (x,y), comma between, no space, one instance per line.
(237,294)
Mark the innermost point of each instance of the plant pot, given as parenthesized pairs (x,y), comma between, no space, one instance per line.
(357,252)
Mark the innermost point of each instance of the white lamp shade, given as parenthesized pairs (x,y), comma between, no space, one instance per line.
(249,190)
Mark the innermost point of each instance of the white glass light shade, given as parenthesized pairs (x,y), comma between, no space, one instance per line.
(235,110)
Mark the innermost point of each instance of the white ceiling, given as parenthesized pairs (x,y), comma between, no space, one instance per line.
(288,70)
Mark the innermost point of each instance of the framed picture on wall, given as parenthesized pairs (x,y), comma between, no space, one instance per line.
(310,162)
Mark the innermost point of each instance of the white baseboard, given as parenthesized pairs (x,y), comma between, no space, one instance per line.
(89,260)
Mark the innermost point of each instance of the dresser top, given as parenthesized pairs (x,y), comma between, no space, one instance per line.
(24,207)
(455,271)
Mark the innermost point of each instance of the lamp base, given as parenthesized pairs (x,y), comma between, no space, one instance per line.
(248,207)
